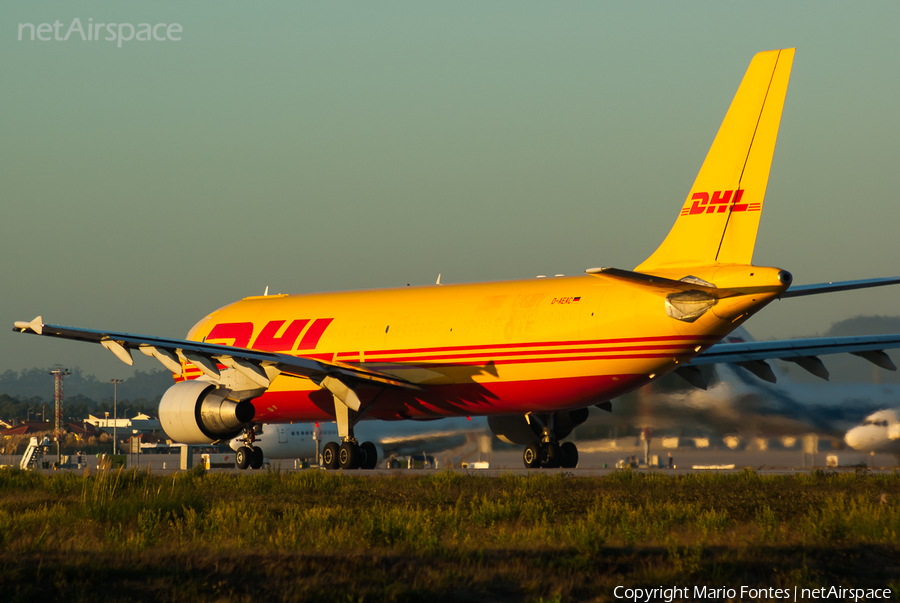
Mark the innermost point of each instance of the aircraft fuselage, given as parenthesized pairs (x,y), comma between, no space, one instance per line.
(539,345)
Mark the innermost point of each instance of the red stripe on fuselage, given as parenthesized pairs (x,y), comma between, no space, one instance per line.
(499,361)
(638,348)
(684,338)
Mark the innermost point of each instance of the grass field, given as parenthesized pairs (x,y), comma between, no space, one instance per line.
(442,536)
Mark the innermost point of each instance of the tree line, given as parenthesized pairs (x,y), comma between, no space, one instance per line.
(28,393)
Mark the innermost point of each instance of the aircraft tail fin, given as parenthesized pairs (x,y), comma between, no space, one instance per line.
(718,222)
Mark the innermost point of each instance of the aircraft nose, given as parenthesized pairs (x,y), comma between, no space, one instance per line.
(854,438)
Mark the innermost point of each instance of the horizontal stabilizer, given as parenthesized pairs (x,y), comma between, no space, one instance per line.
(660,285)
(831,287)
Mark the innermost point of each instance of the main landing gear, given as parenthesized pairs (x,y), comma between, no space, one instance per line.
(549,453)
(248,456)
(349,455)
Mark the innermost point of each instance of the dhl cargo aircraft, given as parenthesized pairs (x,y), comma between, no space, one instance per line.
(532,355)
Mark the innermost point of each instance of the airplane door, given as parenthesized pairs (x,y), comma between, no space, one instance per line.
(282,434)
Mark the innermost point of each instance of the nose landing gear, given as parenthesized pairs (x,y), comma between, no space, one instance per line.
(249,455)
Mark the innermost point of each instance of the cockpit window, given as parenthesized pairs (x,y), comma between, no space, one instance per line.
(876,422)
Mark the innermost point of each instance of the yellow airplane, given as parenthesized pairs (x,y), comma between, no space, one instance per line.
(532,355)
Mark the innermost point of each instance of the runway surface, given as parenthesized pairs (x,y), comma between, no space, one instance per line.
(595,458)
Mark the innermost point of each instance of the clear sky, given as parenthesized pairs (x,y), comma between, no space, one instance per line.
(345,145)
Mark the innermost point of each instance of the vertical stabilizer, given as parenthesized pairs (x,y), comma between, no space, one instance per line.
(719,219)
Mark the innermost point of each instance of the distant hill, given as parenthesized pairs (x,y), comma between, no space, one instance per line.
(864,325)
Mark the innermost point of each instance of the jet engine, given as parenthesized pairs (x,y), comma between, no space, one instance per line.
(199,412)
(515,429)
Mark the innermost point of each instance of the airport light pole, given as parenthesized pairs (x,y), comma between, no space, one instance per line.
(115,383)
(59,374)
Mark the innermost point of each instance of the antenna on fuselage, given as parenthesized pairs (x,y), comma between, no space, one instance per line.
(438,282)
(266,292)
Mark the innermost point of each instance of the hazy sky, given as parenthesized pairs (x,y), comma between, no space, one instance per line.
(324,146)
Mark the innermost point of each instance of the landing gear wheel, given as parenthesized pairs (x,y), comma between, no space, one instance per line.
(532,456)
(569,455)
(348,455)
(550,455)
(369,456)
(330,455)
(242,457)
(256,457)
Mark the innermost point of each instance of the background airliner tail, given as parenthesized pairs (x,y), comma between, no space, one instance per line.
(718,221)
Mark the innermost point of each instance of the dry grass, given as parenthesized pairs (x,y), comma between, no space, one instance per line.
(441,536)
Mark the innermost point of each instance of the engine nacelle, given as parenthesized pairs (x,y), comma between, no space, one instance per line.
(514,429)
(199,412)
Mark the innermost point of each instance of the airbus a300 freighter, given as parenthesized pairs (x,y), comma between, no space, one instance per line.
(532,355)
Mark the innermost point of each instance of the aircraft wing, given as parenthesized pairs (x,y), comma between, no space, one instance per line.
(752,355)
(207,357)
(665,286)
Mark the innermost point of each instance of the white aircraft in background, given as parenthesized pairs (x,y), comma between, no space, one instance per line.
(880,432)
(388,440)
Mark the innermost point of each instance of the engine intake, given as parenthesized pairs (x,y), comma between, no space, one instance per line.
(199,412)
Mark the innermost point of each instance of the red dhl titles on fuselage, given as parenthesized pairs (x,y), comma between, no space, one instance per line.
(474,349)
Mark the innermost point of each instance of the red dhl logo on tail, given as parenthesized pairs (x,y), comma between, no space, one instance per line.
(720,202)
(239,334)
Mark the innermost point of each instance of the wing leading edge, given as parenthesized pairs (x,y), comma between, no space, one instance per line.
(206,356)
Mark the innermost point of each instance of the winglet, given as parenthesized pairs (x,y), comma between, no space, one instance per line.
(36,325)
